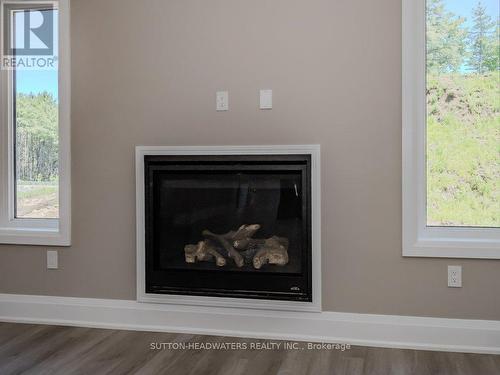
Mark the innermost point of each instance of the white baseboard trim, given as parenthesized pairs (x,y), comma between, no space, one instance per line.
(457,335)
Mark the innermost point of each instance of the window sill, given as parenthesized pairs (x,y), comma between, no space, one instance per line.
(34,236)
(438,242)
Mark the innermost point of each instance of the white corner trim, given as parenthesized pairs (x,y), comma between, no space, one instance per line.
(456,335)
(312,150)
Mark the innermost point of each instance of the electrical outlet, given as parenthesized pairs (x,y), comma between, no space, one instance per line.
(455,276)
(222,100)
(266,99)
(52,261)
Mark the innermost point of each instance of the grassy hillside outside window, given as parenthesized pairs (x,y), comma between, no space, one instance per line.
(463,115)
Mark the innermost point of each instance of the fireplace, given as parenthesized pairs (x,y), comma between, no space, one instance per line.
(227,225)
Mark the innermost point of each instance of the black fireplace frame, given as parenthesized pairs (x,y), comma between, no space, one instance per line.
(286,287)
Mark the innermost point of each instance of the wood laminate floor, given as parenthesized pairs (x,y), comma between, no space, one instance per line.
(37,349)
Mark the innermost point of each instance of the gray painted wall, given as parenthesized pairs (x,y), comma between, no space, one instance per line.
(146,72)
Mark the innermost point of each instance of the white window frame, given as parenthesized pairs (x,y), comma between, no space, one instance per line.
(52,232)
(420,240)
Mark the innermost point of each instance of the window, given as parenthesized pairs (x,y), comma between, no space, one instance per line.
(451,128)
(34,123)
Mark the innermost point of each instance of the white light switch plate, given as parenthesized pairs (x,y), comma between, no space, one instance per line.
(222,100)
(455,276)
(266,99)
(52,261)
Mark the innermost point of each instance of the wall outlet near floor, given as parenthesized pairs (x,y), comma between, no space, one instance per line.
(266,99)
(455,276)
(222,100)
(52,261)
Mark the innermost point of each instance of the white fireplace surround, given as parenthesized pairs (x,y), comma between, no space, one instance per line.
(243,303)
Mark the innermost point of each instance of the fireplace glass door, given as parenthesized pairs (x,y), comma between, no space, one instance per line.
(229,225)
